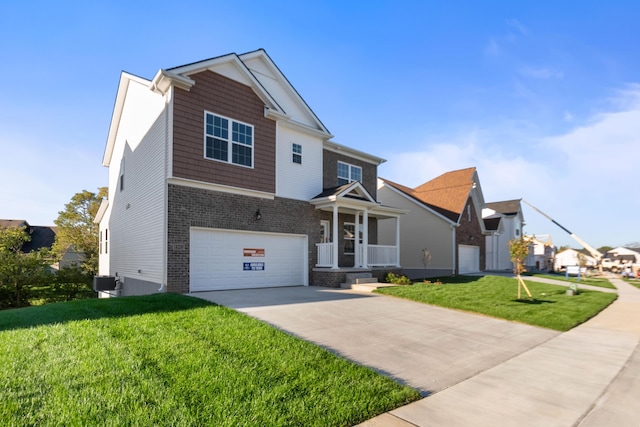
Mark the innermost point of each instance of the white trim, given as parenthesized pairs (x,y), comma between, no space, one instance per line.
(104,204)
(221,188)
(417,202)
(287,121)
(351,152)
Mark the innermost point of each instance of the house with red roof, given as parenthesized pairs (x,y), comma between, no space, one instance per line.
(444,217)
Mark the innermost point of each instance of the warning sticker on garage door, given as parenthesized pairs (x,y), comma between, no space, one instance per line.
(253,266)
(252,252)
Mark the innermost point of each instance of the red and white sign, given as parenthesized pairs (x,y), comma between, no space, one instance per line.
(252,252)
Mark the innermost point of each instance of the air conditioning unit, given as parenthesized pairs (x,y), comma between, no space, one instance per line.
(104,283)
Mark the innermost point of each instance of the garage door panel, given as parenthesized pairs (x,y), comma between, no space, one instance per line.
(217,260)
(468,259)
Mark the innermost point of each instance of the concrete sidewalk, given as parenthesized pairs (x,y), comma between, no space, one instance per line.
(589,376)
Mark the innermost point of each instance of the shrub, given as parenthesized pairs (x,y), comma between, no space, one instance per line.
(398,279)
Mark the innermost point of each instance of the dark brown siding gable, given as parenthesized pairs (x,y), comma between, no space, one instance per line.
(470,232)
(220,95)
(330,171)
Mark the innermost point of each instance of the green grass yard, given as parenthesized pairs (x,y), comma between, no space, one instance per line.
(592,281)
(171,360)
(496,296)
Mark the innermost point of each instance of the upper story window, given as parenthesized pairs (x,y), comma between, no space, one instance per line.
(296,151)
(227,140)
(348,173)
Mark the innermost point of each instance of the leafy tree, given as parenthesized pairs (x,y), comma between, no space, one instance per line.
(519,250)
(604,249)
(76,229)
(20,271)
(73,283)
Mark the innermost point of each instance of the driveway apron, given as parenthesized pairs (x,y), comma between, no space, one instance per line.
(428,348)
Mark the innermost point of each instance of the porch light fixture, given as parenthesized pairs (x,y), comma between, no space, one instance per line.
(258,215)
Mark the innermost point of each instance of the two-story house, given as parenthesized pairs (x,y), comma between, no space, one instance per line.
(444,218)
(222,177)
(504,222)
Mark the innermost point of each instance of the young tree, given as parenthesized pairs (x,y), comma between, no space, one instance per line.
(20,271)
(426,259)
(76,229)
(519,250)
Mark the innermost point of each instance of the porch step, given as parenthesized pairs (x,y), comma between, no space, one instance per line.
(369,287)
(363,280)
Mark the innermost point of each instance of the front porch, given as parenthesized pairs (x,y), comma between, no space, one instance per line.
(335,278)
(349,237)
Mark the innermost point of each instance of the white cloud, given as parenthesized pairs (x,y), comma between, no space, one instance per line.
(542,73)
(586,179)
(517,25)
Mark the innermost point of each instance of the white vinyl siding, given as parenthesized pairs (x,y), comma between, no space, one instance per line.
(293,180)
(136,215)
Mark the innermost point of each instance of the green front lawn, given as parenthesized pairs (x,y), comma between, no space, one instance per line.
(497,297)
(172,360)
(593,281)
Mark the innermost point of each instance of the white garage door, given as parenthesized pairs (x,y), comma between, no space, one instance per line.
(224,259)
(469,259)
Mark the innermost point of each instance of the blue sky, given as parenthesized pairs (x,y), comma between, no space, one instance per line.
(542,97)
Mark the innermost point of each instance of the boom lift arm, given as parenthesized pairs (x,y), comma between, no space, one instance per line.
(594,252)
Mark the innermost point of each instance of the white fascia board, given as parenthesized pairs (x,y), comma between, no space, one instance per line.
(420,204)
(121,97)
(211,64)
(104,204)
(164,79)
(285,120)
(352,152)
(221,188)
(282,79)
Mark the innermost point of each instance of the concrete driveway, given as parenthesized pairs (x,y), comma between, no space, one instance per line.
(425,347)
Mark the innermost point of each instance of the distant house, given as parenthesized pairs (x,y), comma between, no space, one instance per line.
(42,237)
(445,217)
(625,255)
(541,253)
(571,257)
(504,222)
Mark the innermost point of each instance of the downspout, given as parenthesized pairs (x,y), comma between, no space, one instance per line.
(453,246)
(163,285)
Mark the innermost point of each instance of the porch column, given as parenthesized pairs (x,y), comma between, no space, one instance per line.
(397,241)
(334,243)
(357,260)
(365,238)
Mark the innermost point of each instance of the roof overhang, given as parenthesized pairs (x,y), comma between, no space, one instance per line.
(360,155)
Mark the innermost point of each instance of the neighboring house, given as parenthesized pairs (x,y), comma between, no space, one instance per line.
(444,217)
(222,177)
(571,257)
(542,253)
(43,237)
(623,254)
(504,221)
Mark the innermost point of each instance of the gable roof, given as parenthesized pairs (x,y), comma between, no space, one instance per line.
(254,69)
(506,207)
(41,236)
(491,224)
(446,194)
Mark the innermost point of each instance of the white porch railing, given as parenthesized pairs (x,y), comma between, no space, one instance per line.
(377,255)
(382,255)
(325,255)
